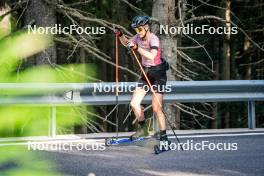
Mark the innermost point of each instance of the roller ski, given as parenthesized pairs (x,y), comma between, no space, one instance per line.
(122,141)
(140,135)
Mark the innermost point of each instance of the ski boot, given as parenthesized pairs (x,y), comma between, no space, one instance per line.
(164,143)
(142,131)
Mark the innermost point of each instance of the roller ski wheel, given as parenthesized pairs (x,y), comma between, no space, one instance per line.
(109,141)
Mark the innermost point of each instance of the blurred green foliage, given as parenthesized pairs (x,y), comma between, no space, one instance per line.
(22,120)
(16,121)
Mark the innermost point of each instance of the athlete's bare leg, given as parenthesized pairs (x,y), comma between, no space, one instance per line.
(157,109)
(136,100)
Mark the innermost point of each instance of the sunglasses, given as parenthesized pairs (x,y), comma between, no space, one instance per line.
(138,29)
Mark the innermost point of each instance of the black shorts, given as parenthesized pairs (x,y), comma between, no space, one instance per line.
(157,77)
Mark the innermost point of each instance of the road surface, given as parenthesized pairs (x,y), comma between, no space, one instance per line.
(247,158)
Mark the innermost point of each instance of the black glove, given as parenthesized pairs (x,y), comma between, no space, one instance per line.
(119,31)
(131,45)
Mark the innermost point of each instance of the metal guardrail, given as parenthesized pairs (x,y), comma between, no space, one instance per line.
(181,91)
(57,94)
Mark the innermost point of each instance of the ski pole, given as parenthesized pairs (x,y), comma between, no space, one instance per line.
(154,93)
(116,78)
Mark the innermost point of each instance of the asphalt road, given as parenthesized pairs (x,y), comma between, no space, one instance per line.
(248,159)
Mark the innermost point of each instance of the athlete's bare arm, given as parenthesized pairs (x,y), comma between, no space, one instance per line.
(149,55)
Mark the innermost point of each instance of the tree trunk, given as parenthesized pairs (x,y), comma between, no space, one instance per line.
(247,59)
(44,16)
(226,47)
(164,12)
(227,58)
(215,49)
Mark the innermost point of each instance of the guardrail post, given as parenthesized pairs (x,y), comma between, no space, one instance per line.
(52,129)
(251,115)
